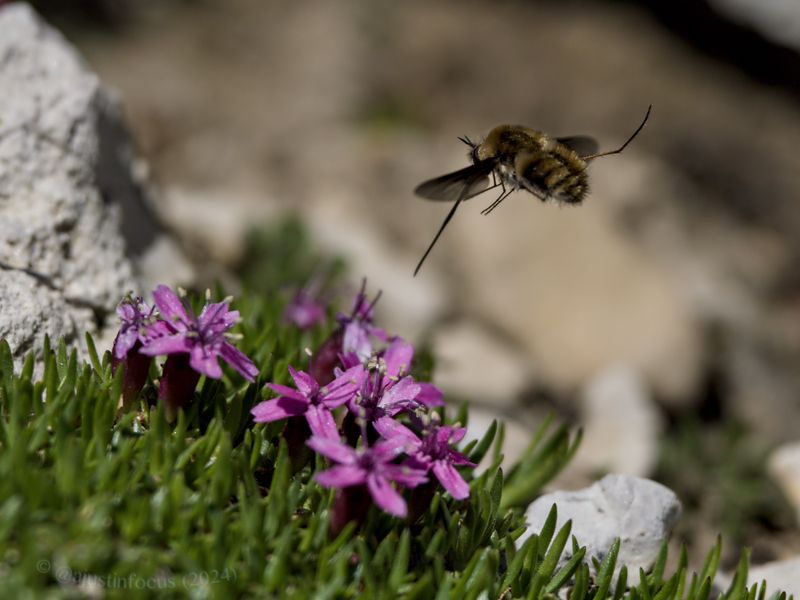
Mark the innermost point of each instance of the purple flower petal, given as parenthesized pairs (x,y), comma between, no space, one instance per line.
(379,333)
(277,409)
(287,391)
(398,357)
(457,434)
(170,307)
(217,318)
(237,359)
(304,311)
(356,339)
(392,430)
(406,474)
(429,395)
(320,421)
(349,360)
(205,362)
(451,479)
(126,311)
(341,476)
(157,330)
(126,339)
(443,435)
(387,450)
(306,384)
(169,344)
(459,460)
(403,391)
(386,496)
(333,449)
(344,387)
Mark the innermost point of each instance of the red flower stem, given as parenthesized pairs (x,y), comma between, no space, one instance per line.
(178,382)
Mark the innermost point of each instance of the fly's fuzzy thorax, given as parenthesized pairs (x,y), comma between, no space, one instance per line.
(504,142)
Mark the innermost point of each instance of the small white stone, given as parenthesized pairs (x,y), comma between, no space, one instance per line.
(784,468)
(640,512)
(780,575)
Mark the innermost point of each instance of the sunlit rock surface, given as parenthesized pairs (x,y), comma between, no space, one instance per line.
(640,512)
(74,224)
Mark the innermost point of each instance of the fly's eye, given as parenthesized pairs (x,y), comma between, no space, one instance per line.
(473,154)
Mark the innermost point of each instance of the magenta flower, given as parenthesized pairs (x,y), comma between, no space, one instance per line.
(398,356)
(351,343)
(429,395)
(358,328)
(388,390)
(304,311)
(138,320)
(203,338)
(431,452)
(311,400)
(382,396)
(372,467)
(139,325)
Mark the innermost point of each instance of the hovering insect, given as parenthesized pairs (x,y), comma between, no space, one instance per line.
(518,158)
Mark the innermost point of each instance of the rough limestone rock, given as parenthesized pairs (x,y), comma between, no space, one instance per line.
(640,512)
(68,181)
(780,575)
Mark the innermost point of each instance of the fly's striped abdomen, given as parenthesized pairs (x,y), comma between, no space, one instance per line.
(573,189)
(553,174)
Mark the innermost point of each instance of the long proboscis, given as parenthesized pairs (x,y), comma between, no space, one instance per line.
(628,141)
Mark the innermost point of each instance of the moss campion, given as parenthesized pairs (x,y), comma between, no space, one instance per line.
(364,393)
(193,345)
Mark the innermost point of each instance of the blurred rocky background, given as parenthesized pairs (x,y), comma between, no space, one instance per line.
(662,316)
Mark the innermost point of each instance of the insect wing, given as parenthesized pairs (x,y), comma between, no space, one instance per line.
(583,145)
(464,183)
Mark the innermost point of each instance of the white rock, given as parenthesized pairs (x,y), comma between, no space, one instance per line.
(780,575)
(621,425)
(777,20)
(67,182)
(640,512)
(474,364)
(784,468)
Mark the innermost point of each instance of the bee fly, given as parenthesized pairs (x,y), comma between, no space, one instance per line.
(518,158)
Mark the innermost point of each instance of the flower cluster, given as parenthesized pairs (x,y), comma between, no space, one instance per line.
(193,344)
(362,410)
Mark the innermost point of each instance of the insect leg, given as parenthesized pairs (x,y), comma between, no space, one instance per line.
(496,203)
(449,216)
